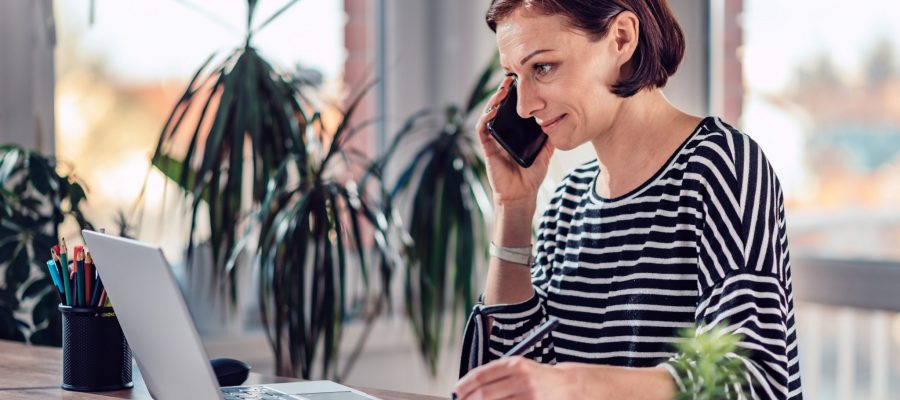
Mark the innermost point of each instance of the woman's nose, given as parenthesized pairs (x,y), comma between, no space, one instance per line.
(529,101)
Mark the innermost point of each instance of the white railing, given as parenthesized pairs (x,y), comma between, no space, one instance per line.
(848,317)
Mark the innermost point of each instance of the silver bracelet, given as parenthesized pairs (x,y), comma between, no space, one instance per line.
(515,255)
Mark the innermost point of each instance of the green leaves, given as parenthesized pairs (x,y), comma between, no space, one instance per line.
(34,200)
(445,181)
(265,188)
(246,115)
(325,245)
(313,227)
(708,365)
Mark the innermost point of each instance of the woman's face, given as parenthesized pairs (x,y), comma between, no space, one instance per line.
(563,77)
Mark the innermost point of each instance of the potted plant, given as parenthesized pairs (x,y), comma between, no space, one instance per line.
(293,208)
(239,112)
(34,201)
(307,224)
(313,227)
(446,183)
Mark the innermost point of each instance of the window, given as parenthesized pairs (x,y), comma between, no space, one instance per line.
(119,77)
(823,99)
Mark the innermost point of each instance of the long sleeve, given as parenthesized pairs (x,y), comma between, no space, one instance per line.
(744,276)
(513,322)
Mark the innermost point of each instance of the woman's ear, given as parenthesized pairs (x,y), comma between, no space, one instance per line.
(624,29)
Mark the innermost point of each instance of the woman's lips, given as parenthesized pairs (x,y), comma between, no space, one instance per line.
(549,125)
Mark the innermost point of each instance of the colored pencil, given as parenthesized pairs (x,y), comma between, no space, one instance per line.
(54,275)
(79,277)
(66,278)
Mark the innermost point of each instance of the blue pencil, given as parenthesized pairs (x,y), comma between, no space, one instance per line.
(54,275)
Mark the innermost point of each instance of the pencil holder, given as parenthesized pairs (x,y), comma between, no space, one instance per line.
(96,356)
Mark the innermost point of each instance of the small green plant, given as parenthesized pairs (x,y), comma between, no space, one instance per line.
(708,366)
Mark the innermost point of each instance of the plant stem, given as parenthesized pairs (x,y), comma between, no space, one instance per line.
(360,344)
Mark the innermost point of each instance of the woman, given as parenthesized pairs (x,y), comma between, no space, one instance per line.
(679,222)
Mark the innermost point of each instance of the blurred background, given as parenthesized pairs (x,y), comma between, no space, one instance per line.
(815,82)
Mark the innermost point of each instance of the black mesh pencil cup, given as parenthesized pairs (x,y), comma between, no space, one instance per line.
(96,356)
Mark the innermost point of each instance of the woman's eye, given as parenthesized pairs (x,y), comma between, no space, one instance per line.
(542,69)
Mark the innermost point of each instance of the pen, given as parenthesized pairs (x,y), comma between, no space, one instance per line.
(88,277)
(98,288)
(66,277)
(532,339)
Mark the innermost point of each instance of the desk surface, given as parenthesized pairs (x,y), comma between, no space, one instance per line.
(33,372)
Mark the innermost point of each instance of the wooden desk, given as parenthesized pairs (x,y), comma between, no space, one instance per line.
(33,372)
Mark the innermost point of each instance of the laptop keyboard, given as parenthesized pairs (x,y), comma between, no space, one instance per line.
(253,393)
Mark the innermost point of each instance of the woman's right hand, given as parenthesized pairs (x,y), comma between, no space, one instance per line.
(512,184)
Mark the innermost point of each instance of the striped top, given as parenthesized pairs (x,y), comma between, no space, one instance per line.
(699,244)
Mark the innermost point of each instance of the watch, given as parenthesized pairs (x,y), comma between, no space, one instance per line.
(515,255)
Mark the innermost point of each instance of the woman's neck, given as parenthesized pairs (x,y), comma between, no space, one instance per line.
(646,130)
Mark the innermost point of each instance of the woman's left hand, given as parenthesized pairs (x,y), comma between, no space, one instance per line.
(513,377)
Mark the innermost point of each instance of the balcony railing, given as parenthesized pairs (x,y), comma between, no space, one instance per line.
(848,317)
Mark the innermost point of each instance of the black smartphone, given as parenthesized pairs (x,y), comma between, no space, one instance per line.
(522,138)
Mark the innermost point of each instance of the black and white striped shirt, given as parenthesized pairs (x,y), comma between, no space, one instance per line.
(701,243)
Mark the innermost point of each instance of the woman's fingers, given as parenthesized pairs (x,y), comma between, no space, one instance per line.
(499,372)
(481,376)
(499,95)
(490,146)
(507,388)
(493,102)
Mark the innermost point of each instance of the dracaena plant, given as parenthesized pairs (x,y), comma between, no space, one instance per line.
(445,182)
(241,112)
(34,200)
(306,220)
(314,228)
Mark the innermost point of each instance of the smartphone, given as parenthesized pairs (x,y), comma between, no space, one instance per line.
(522,138)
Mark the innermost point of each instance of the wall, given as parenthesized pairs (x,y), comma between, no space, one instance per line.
(27,40)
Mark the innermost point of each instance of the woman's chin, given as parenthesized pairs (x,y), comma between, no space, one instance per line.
(560,143)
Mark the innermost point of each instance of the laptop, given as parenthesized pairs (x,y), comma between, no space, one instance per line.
(162,336)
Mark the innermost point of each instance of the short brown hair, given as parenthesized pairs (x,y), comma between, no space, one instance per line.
(660,42)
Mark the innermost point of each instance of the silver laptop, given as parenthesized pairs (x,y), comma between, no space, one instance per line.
(163,339)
